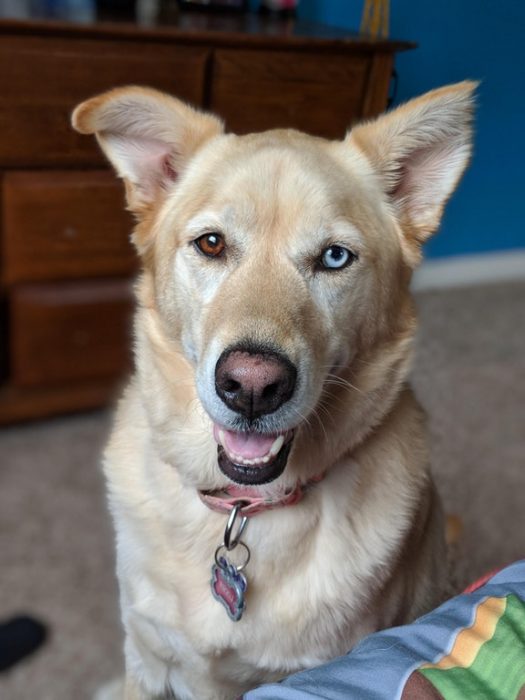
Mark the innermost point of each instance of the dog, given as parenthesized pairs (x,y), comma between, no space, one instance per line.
(268,473)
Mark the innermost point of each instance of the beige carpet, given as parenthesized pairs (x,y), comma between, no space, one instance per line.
(55,536)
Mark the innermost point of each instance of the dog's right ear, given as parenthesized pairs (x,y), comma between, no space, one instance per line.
(148,136)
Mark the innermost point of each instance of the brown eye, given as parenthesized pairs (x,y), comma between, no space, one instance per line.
(211,244)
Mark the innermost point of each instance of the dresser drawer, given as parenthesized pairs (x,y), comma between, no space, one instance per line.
(43,78)
(59,225)
(69,332)
(320,94)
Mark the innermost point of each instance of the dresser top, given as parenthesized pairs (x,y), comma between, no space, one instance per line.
(248,30)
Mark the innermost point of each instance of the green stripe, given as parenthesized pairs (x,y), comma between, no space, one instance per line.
(498,671)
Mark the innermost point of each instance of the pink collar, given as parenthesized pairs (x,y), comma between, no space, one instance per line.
(257,504)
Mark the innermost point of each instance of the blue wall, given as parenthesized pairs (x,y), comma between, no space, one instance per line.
(480,39)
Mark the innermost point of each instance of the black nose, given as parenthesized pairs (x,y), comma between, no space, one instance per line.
(254,382)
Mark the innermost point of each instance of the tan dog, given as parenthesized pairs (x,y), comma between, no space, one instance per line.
(273,341)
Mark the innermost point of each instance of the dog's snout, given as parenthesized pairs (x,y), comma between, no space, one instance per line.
(254,383)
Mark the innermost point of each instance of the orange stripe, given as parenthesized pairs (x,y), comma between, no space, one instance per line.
(470,640)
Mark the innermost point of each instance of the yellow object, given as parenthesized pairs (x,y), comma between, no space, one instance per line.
(470,640)
(376,18)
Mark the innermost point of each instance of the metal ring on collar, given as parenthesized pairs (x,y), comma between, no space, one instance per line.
(239,567)
(230,543)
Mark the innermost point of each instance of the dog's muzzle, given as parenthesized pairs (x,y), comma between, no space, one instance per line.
(253,381)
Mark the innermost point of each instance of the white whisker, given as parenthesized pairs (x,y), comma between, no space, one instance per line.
(334,380)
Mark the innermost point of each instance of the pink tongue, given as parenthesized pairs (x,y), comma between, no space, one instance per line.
(247,445)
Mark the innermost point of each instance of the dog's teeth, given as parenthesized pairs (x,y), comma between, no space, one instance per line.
(278,443)
(243,461)
(239,459)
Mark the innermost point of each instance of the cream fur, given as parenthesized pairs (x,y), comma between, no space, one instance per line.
(365,548)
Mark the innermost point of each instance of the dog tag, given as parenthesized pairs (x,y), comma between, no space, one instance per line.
(228,586)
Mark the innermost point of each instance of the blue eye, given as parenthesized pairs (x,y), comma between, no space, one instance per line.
(336,257)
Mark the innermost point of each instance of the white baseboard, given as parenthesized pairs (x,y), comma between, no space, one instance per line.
(467,270)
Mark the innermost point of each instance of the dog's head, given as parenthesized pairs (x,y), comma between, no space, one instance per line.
(276,272)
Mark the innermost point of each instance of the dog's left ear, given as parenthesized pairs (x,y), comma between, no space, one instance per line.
(148,136)
(420,151)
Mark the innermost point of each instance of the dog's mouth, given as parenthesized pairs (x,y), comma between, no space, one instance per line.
(252,458)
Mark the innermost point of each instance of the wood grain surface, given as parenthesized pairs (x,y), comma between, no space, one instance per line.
(65,225)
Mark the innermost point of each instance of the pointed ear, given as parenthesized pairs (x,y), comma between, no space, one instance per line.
(147,135)
(420,151)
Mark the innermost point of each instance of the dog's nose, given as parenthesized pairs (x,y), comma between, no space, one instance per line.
(254,383)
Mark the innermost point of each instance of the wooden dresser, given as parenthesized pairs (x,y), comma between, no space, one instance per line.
(66,266)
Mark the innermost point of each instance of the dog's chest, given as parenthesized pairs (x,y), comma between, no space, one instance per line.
(309,588)
(294,619)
